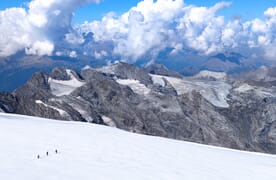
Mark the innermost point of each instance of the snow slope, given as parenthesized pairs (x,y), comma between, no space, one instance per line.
(60,88)
(157,79)
(88,151)
(215,92)
(211,74)
(135,85)
(61,112)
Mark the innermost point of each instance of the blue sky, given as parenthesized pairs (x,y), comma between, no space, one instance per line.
(198,29)
(247,9)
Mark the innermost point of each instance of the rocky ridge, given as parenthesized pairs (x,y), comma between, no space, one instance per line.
(208,108)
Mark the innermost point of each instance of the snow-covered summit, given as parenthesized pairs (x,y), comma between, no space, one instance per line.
(215,92)
(87,151)
(205,74)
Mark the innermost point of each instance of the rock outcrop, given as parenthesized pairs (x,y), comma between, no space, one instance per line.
(210,110)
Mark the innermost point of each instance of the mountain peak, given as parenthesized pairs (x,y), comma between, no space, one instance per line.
(127,97)
(160,69)
(229,56)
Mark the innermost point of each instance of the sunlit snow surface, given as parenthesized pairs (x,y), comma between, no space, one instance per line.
(158,80)
(211,74)
(60,88)
(215,92)
(244,88)
(258,90)
(61,112)
(88,151)
(135,85)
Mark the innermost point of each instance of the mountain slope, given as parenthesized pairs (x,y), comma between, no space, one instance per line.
(87,151)
(228,62)
(17,70)
(209,108)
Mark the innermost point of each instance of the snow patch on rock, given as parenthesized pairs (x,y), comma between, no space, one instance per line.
(86,67)
(244,88)
(135,85)
(61,112)
(259,91)
(210,74)
(108,121)
(60,88)
(215,92)
(107,70)
(157,79)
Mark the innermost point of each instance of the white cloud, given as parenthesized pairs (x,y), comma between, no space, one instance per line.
(270,12)
(270,52)
(100,55)
(74,38)
(73,54)
(153,26)
(15,31)
(145,30)
(40,48)
(37,28)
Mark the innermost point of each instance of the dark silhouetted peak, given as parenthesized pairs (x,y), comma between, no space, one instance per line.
(64,74)
(231,57)
(8,102)
(90,74)
(160,69)
(126,71)
(60,74)
(39,80)
(261,76)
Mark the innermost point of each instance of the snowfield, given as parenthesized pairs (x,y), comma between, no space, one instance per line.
(211,74)
(60,88)
(88,151)
(215,92)
(135,85)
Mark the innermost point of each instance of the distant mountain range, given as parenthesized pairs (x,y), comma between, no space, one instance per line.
(231,63)
(209,107)
(17,69)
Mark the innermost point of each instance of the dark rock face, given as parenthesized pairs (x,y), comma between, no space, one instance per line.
(126,71)
(16,70)
(236,114)
(161,70)
(59,74)
(8,103)
(229,62)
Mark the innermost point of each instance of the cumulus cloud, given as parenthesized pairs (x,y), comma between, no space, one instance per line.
(270,12)
(154,26)
(146,30)
(40,48)
(73,54)
(37,28)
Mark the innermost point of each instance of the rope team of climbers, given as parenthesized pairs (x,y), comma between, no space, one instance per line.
(47,154)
